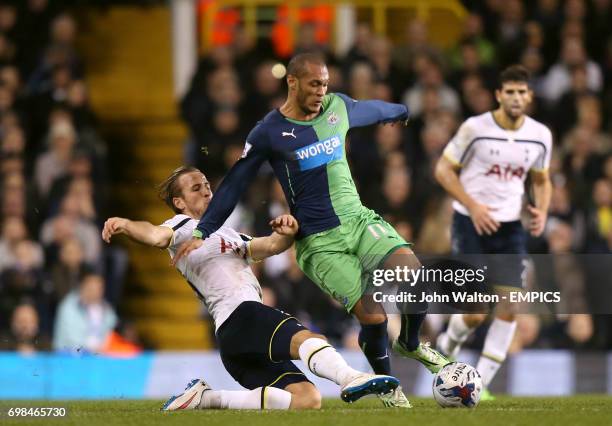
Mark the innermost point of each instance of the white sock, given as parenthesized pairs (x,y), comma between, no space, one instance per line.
(498,340)
(323,360)
(456,334)
(273,399)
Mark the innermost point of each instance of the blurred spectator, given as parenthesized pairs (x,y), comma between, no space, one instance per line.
(84,319)
(478,101)
(336,80)
(8,19)
(471,64)
(266,92)
(396,190)
(72,222)
(7,98)
(308,42)
(54,163)
(430,76)
(510,32)
(7,50)
(60,56)
(598,24)
(79,177)
(360,49)
(11,78)
(24,335)
(415,43)
(549,14)
(65,274)
(14,232)
(11,163)
(13,141)
(77,99)
(563,272)
(33,15)
(385,70)
(533,60)
(581,164)
(558,79)
(22,280)
(599,218)
(589,116)
(361,81)
(474,34)
(562,208)
(219,89)
(566,110)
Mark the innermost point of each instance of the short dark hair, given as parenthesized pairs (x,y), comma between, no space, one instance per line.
(87,271)
(514,73)
(297,64)
(169,188)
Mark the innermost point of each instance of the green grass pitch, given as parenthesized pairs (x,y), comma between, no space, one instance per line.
(579,410)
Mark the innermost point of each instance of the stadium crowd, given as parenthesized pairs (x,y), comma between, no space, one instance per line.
(59,287)
(566,46)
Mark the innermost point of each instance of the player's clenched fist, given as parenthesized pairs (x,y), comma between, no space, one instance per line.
(285,225)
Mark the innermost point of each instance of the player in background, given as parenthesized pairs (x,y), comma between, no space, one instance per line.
(484,168)
(340,241)
(256,341)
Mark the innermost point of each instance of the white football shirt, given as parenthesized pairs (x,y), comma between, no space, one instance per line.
(495,162)
(219,270)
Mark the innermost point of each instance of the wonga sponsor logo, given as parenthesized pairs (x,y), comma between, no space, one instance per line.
(319,153)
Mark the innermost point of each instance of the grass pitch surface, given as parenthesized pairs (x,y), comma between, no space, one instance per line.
(579,410)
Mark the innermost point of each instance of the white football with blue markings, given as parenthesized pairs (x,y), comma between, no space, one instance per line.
(457,385)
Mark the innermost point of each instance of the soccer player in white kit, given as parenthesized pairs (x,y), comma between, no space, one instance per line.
(256,342)
(484,168)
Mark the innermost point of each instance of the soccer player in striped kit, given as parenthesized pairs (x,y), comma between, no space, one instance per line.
(256,342)
(484,168)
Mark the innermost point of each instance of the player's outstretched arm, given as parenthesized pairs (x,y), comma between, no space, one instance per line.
(285,227)
(140,231)
(364,113)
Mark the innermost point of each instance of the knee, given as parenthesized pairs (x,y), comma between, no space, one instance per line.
(301,337)
(307,334)
(402,256)
(369,315)
(308,398)
(371,319)
(316,336)
(474,320)
(508,315)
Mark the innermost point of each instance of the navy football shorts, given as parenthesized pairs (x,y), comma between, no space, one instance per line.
(504,253)
(254,344)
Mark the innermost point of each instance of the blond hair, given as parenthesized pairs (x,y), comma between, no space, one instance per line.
(169,188)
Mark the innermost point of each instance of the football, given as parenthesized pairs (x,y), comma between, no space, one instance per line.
(457,385)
